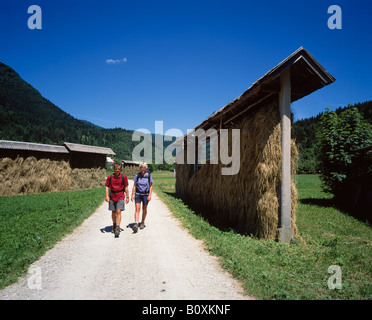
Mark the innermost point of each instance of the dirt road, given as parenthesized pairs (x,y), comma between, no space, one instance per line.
(163,261)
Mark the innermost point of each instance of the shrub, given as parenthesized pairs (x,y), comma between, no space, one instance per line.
(337,137)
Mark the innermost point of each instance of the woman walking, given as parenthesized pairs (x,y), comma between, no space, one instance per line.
(141,193)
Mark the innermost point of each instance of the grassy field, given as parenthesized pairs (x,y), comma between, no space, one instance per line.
(272,270)
(32,224)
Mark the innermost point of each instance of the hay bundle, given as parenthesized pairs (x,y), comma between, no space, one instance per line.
(183,175)
(22,176)
(87,178)
(249,200)
(131,171)
(294,193)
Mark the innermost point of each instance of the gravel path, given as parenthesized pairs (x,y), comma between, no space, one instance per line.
(163,261)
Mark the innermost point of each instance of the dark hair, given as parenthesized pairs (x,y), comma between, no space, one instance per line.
(117,165)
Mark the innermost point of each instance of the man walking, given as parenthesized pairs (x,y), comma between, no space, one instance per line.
(118,184)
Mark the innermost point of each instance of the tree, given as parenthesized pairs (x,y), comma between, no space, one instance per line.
(338,136)
(307,162)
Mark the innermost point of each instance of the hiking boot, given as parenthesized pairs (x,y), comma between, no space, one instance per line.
(113,228)
(142,225)
(135,227)
(117,232)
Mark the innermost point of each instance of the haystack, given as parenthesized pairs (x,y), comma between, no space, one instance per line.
(88,178)
(253,200)
(248,201)
(131,171)
(24,176)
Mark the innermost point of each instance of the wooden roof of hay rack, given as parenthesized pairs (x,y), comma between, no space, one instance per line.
(74,147)
(66,148)
(307,76)
(20,145)
(131,162)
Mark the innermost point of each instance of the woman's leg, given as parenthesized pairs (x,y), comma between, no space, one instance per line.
(144,213)
(137,212)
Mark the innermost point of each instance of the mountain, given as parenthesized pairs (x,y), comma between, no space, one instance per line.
(25,115)
(90,123)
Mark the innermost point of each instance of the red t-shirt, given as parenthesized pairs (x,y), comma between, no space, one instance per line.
(117,185)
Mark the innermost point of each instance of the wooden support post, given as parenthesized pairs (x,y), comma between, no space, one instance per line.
(285,229)
(196,153)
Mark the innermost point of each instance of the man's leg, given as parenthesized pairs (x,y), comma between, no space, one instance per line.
(118,217)
(113,220)
(118,220)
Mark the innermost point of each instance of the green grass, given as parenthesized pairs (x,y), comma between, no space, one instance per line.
(272,270)
(32,224)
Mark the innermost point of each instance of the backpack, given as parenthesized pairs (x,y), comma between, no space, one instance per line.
(122,180)
(148,177)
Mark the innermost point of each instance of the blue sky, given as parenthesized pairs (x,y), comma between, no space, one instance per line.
(129,63)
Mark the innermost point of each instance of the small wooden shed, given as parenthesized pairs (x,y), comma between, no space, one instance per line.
(85,156)
(33,167)
(79,155)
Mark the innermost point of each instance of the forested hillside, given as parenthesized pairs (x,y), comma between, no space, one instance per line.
(27,116)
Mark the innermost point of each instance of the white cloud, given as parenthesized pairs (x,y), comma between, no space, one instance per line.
(116,61)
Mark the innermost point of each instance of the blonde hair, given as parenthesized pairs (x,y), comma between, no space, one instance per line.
(143,164)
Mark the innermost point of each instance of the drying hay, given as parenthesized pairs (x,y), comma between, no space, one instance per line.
(23,176)
(88,178)
(131,171)
(249,200)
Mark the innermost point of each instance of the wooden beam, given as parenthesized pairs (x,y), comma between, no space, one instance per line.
(285,229)
(245,109)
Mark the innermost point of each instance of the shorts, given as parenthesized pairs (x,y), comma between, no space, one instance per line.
(116,205)
(138,198)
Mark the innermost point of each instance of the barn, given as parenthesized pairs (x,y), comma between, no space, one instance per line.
(85,157)
(32,167)
(261,197)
